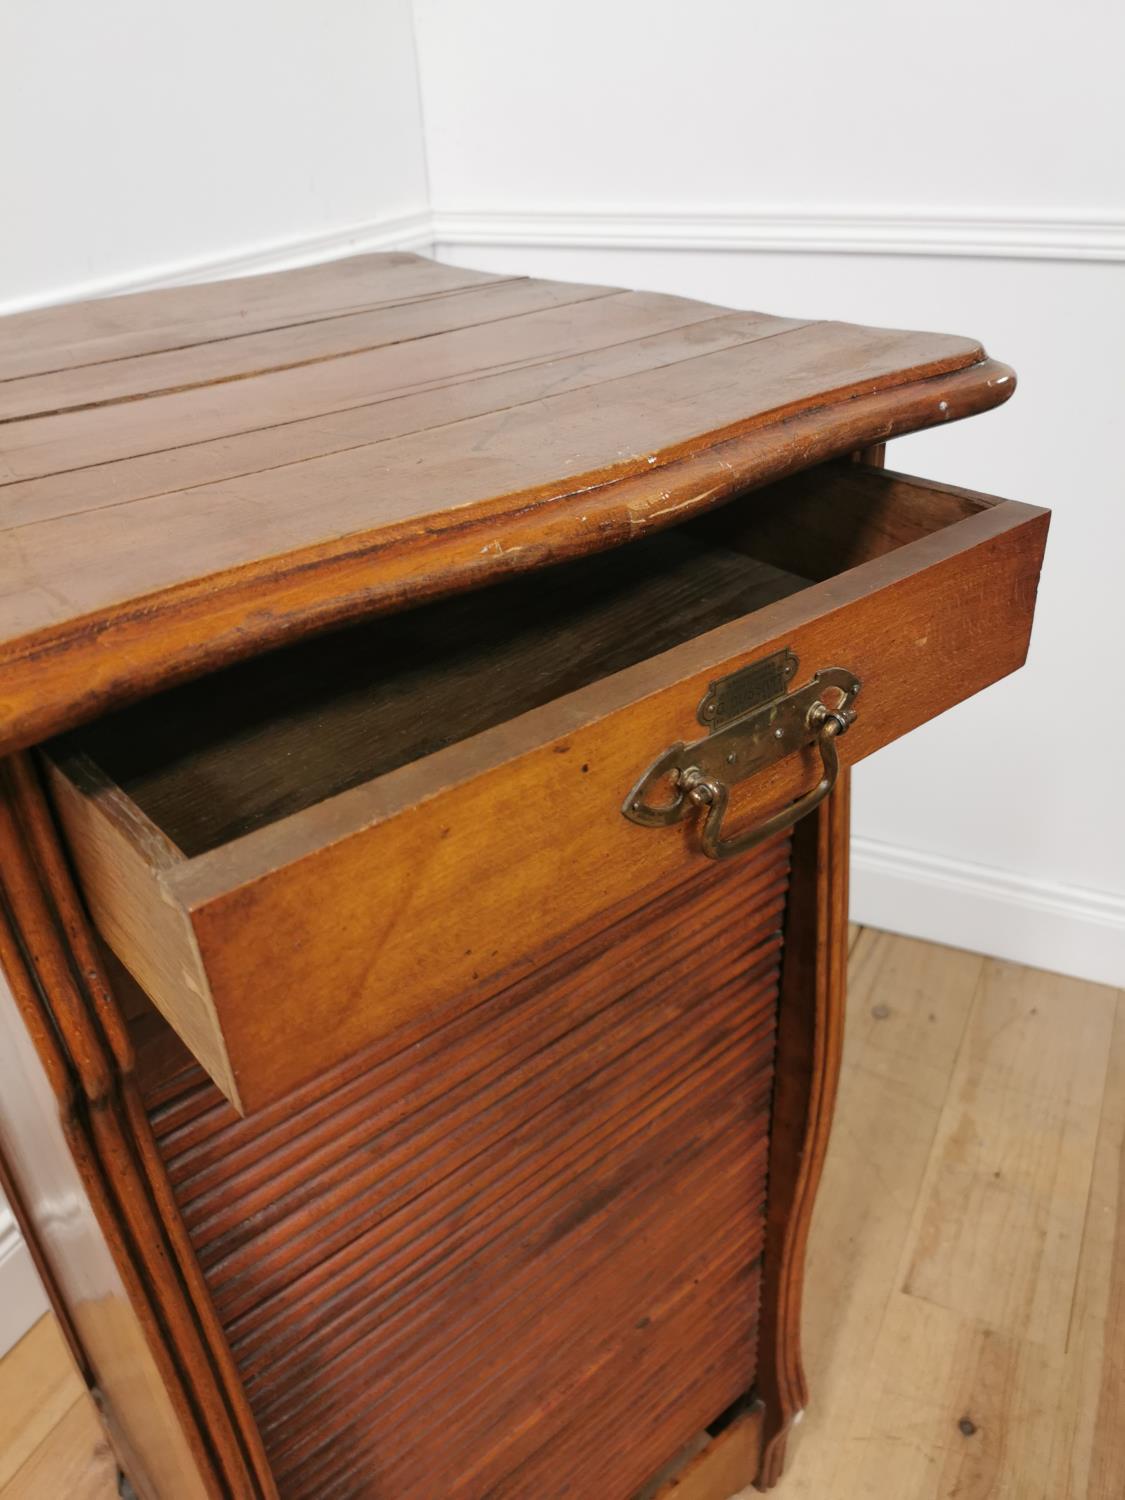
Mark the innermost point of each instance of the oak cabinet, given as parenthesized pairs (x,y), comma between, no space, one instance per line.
(429,700)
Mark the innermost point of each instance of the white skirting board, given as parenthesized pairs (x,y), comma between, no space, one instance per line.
(1039,923)
(872,232)
(878,230)
(22,1298)
(398,232)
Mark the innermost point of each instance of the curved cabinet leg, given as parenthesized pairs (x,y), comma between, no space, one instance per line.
(810,1037)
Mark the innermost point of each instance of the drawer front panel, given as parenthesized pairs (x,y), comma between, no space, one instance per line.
(517,1254)
(284,951)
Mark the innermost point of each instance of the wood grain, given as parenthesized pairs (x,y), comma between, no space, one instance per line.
(176,467)
(907,1009)
(149,1347)
(38,1386)
(528,453)
(416,325)
(270,424)
(253,745)
(511,1062)
(1014,1157)
(508,353)
(566,1178)
(896,1375)
(52,1164)
(922,626)
(51,1442)
(724,1467)
(1091,1457)
(112,328)
(124,858)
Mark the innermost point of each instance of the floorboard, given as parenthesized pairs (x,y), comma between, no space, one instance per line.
(52,1446)
(965,1318)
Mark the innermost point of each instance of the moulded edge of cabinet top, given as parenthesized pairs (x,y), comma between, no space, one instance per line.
(219,504)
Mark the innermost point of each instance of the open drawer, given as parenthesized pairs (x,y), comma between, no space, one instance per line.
(359,834)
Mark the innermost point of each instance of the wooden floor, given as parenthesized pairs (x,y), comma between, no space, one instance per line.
(51,1442)
(965,1322)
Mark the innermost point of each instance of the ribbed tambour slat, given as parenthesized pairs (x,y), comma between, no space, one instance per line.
(563,1175)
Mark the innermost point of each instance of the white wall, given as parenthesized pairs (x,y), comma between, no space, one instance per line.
(724,102)
(142,142)
(978,150)
(22,1298)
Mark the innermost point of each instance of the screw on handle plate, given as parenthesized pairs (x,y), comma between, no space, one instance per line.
(714,796)
(701,774)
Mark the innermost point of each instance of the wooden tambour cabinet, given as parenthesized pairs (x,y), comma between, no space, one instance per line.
(427,700)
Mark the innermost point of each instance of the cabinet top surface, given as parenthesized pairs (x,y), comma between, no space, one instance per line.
(193,475)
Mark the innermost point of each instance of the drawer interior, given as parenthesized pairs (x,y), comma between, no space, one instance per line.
(219,758)
(226,755)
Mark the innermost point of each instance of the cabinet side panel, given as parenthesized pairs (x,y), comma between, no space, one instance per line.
(69,1023)
(56,1208)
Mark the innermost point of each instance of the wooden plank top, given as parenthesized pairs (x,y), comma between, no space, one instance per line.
(191,476)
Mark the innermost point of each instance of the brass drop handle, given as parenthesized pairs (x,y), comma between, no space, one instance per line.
(708,792)
(754,720)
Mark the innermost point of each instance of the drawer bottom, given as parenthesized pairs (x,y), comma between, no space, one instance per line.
(518,1253)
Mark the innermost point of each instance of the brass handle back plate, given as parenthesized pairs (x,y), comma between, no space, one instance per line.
(749,731)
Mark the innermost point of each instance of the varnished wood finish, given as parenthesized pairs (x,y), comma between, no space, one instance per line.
(105,386)
(923,626)
(810,1038)
(91,1273)
(119,1129)
(158,1359)
(569,1178)
(521,1203)
(241,489)
(114,328)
